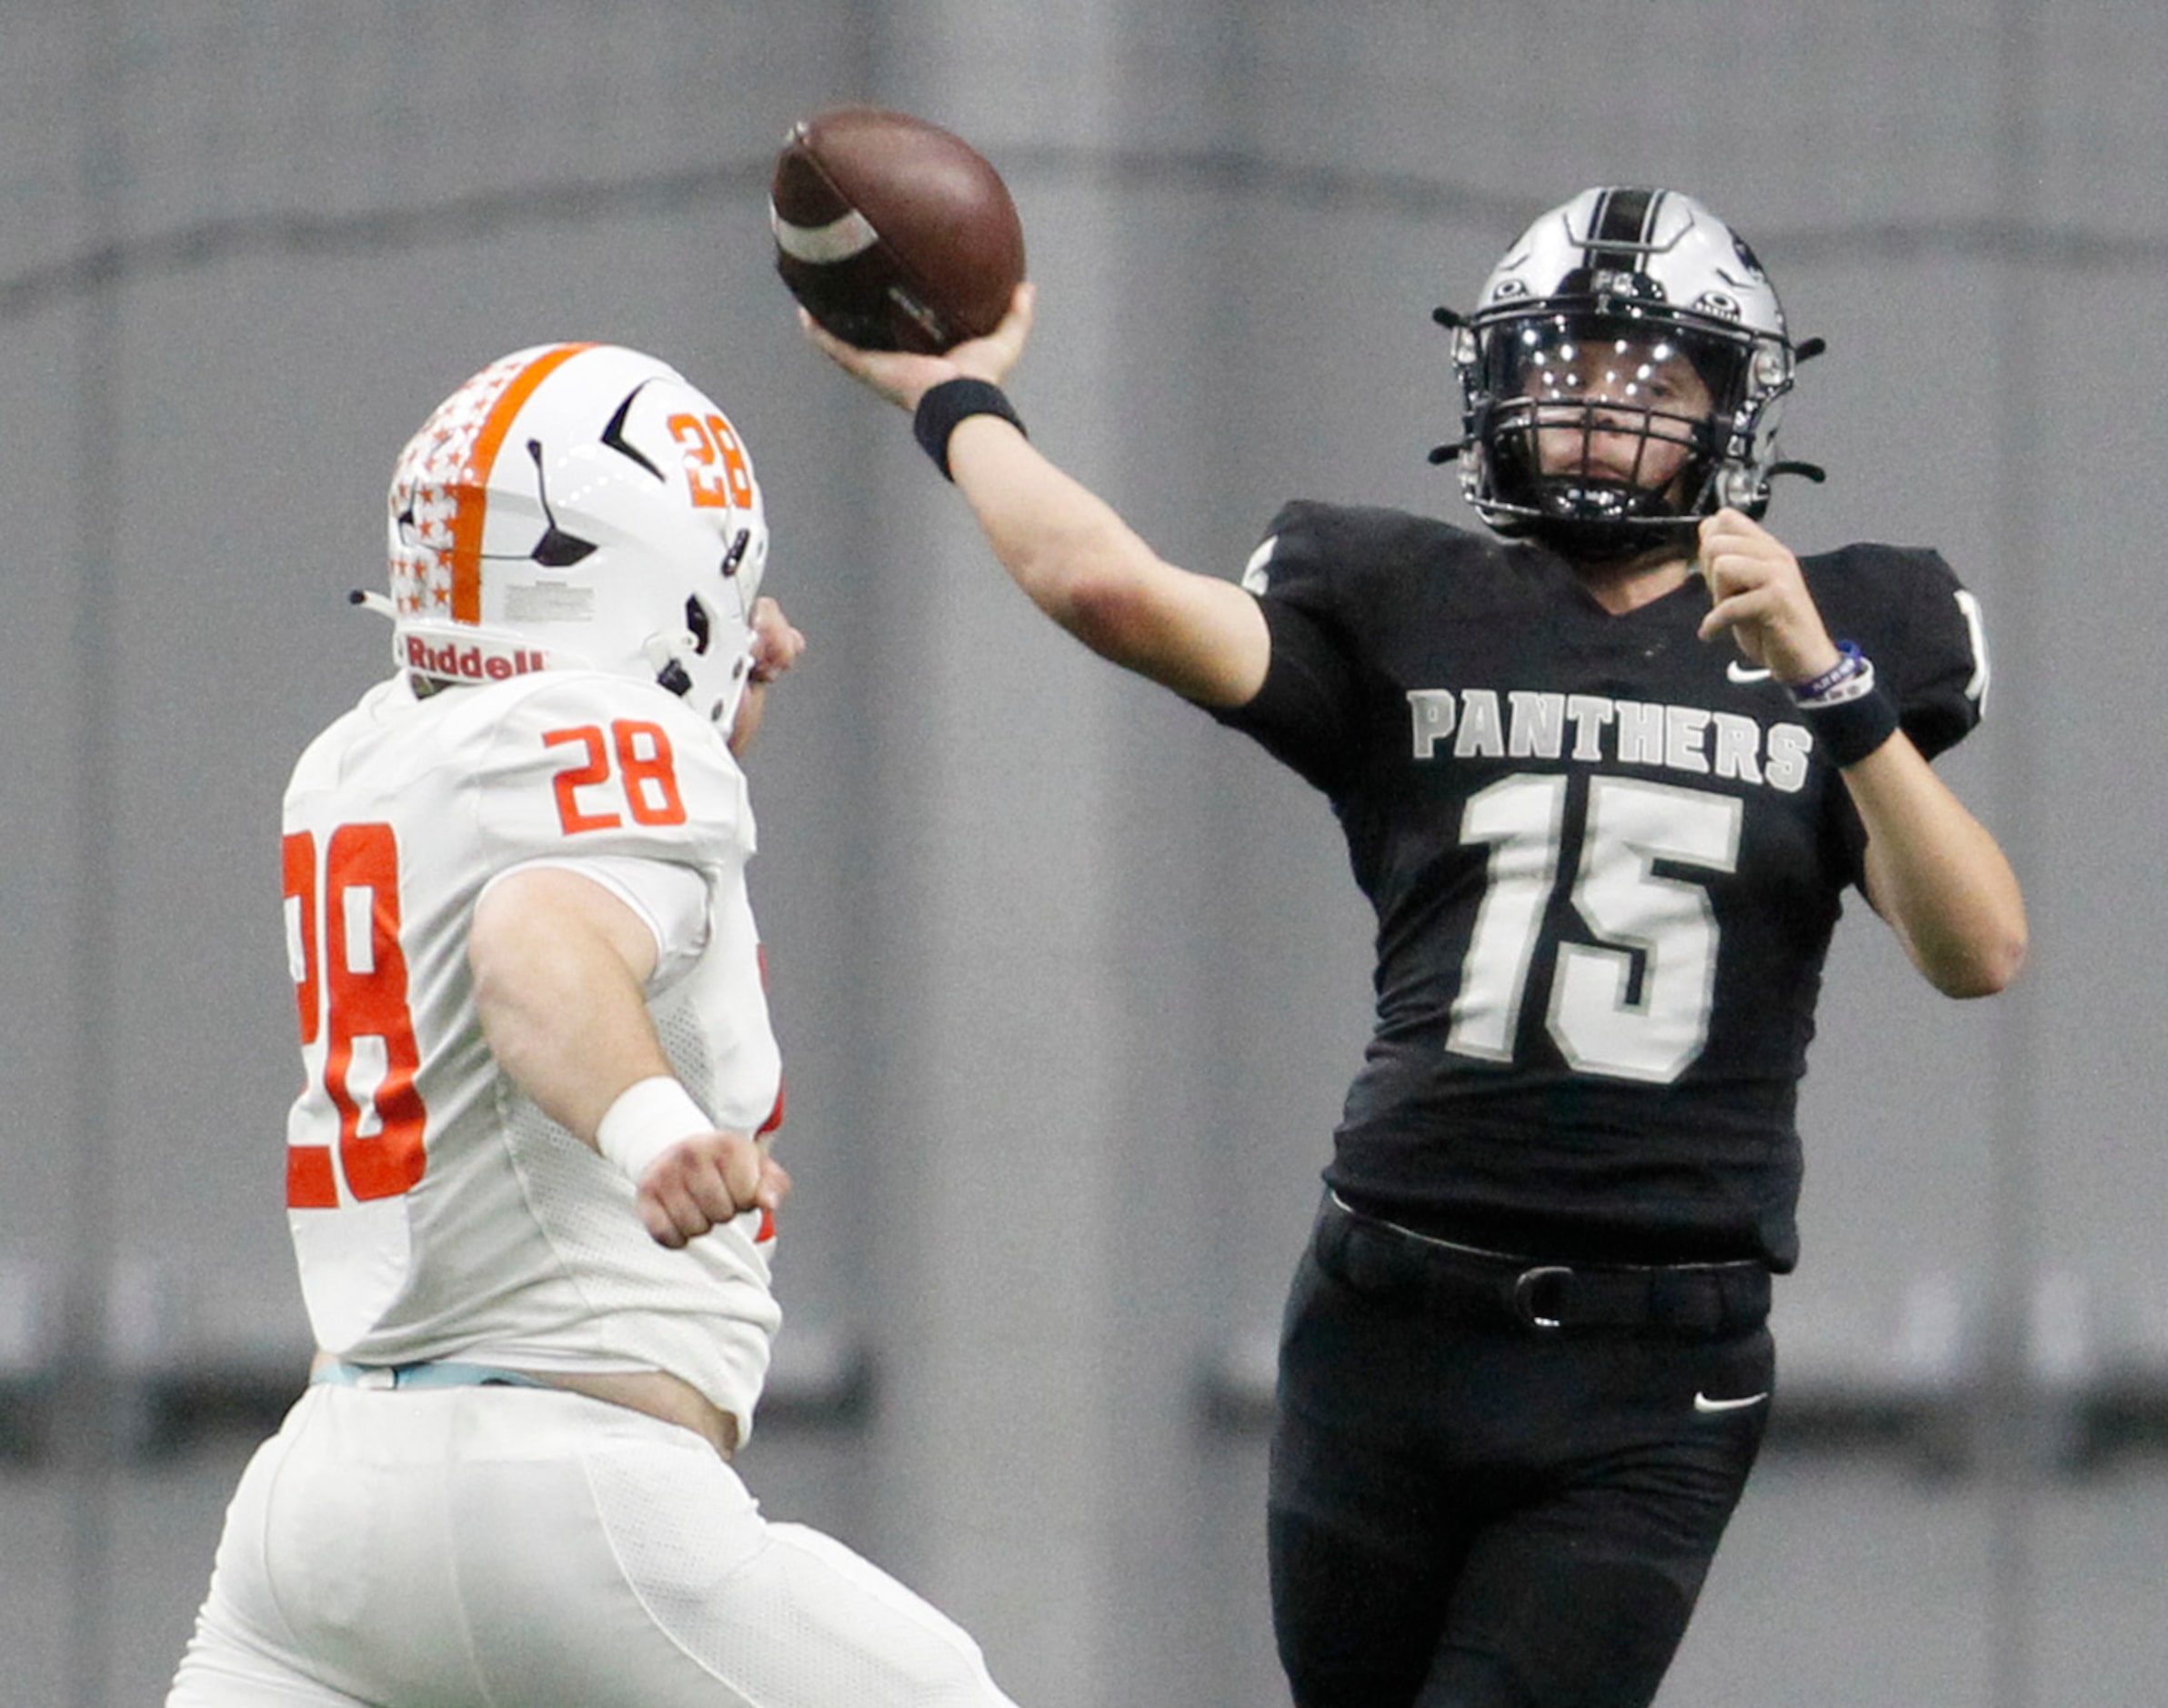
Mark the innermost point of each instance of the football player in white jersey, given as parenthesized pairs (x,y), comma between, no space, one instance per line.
(529,1177)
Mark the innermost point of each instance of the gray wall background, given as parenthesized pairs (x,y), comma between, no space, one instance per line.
(1069,981)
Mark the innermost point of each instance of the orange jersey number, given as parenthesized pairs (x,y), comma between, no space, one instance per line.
(350,981)
(636,757)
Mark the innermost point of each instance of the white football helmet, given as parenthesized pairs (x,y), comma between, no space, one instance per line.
(578,505)
(1652,275)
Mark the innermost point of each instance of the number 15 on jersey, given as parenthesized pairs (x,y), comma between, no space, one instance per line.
(1633,912)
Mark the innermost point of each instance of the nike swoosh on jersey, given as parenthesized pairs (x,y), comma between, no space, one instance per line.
(1739,672)
(1702,1403)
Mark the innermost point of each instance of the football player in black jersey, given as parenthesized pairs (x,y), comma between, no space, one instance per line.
(1605,773)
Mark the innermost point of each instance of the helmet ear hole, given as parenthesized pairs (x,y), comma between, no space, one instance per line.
(697,623)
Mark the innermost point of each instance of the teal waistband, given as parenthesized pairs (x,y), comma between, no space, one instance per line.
(442,1375)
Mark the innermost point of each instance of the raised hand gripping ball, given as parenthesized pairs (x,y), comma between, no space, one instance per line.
(893,233)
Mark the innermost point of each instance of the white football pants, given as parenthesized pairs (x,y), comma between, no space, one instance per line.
(492,1546)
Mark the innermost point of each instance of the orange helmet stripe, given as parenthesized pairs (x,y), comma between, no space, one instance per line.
(468,519)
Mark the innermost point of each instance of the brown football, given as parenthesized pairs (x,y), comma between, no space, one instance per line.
(895,234)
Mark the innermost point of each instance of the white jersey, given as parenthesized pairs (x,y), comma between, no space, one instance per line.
(437,1213)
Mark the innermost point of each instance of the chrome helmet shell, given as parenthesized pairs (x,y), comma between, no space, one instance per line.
(1590,299)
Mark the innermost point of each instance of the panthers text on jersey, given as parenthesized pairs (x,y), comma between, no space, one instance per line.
(437,1213)
(1606,861)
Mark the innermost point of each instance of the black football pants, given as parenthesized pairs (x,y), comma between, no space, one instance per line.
(1472,1510)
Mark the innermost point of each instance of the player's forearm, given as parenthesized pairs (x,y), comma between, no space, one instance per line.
(1063,545)
(752,711)
(1936,875)
(1079,562)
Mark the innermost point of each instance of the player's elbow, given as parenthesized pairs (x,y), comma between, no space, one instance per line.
(1108,602)
(1996,973)
(1109,612)
(1986,965)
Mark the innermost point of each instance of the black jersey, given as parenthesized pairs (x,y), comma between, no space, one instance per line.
(1606,858)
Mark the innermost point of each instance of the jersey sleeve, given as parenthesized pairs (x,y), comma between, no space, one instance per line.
(1922,629)
(1305,712)
(671,900)
(1944,690)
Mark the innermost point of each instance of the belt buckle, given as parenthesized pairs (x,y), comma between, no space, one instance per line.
(1524,1295)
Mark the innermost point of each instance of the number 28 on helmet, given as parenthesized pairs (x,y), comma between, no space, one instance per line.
(578,506)
(1622,375)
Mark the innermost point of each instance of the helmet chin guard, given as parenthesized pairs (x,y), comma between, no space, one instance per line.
(578,506)
(1620,378)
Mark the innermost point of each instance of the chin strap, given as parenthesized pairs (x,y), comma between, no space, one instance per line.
(376,602)
(1604,543)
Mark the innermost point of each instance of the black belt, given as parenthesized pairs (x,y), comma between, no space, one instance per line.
(1382,1258)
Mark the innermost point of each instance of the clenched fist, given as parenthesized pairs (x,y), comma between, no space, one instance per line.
(701,1182)
(1757,592)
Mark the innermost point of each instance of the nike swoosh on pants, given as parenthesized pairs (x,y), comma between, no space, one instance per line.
(1702,1403)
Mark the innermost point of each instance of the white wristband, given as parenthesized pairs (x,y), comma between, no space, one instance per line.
(648,1116)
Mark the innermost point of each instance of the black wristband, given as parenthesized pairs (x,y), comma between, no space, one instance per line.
(1850,730)
(953,401)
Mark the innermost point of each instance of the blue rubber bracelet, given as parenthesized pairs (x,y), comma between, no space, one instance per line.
(1851,663)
